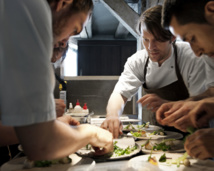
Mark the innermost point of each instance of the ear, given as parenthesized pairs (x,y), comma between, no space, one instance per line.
(173,38)
(209,12)
(62,4)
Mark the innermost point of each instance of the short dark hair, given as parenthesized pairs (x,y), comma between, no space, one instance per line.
(152,19)
(185,11)
(85,6)
(81,5)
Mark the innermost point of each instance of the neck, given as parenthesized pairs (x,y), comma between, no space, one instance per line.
(165,57)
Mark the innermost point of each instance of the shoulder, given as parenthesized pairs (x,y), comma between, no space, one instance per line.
(187,58)
(139,56)
(183,46)
(185,52)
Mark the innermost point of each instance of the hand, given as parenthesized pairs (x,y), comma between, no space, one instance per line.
(67,119)
(102,142)
(176,114)
(151,101)
(60,107)
(200,144)
(202,113)
(113,124)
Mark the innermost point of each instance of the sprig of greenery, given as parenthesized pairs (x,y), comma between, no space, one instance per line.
(146,142)
(162,146)
(158,132)
(144,125)
(120,151)
(177,161)
(181,159)
(129,126)
(163,158)
(47,163)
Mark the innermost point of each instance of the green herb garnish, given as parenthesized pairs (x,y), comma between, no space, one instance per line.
(162,158)
(120,151)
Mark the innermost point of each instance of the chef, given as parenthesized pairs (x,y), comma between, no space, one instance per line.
(196,26)
(27,74)
(168,71)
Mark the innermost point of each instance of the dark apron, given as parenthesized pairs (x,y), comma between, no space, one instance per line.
(172,92)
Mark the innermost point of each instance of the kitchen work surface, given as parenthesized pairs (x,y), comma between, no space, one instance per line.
(136,163)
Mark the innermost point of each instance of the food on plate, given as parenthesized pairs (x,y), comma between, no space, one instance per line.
(124,147)
(43,163)
(144,125)
(186,162)
(180,160)
(162,158)
(139,133)
(158,132)
(152,160)
(148,145)
(46,163)
(122,151)
(164,145)
(130,127)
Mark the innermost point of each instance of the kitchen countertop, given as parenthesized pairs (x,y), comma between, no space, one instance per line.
(138,162)
(89,164)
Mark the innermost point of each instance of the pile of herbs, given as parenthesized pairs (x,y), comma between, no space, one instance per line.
(120,151)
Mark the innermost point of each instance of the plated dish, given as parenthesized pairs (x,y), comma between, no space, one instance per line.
(18,164)
(149,135)
(160,146)
(145,126)
(123,148)
(142,163)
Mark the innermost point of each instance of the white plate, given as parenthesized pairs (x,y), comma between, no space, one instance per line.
(151,128)
(122,143)
(177,147)
(17,164)
(138,163)
(169,134)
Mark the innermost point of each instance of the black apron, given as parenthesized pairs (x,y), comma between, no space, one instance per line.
(172,92)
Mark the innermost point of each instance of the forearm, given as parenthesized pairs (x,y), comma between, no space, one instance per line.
(7,136)
(208,93)
(116,104)
(51,140)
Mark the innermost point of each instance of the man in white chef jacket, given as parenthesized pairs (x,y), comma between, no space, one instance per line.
(27,79)
(167,71)
(193,21)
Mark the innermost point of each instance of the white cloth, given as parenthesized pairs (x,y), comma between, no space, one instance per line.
(26,75)
(209,62)
(191,67)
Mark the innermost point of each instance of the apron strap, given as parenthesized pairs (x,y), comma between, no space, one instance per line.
(145,71)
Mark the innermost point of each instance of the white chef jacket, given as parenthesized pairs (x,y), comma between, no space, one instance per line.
(192,69)
(26,75)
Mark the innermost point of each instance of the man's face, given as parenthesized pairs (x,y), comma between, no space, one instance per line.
(72,26)
(57,53)
(157,51)
(200,36)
